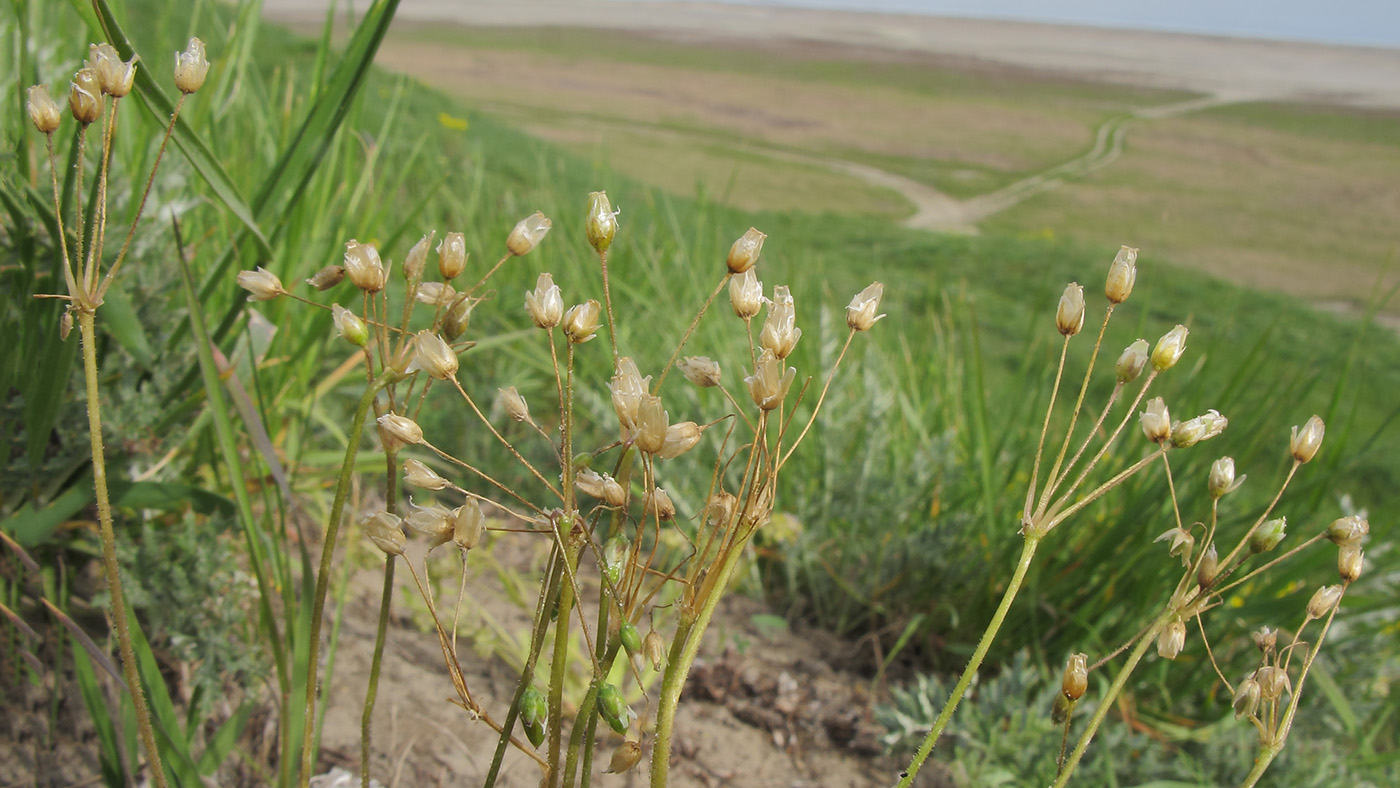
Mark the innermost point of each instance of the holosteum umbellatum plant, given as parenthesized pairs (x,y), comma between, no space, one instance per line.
(105,75)
(1269,696)
(623,520)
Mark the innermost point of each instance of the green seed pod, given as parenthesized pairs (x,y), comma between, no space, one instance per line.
(612,708)
(630,637)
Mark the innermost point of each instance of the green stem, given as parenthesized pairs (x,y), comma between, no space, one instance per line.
(88,328)
(559,664)
(988,635)
(1145,642)
(386,599)
(318,605)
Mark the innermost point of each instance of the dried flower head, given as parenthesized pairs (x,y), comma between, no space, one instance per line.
(860,314)
(452,256)
(1121,275)
(85,96)
(191,67)
(386,531)
(700,370)
(349,325)
(114,75)
(601,223)
(769,383)
(581,321)
(363,266)
(601,486)
(780,332)
(1273,682)
(43,110)
(1076,680)
(262,284)
(658,504)
(1305,441)
(1323,600)
(626,756)
(468,524)
(1171,639)
(416,474)
(1169,349)
(545,303)
(1132,361)
(1350,562)
(399,430)
(438,294)
(627,388)
(746,294)
(1349,530)
(654,648)
(433,356)
(652,422)
(680,438)
(1069,316)
(1181,543)
(514,404)
(1156,421)
(743,255)
(327,277)
(437,523)
(1246,700)
(1265,639)
(416,261)
(527,234)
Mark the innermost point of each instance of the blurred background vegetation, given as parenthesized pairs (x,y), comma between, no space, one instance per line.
(901,517)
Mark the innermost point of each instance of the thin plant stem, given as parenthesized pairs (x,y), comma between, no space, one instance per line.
(607,303)
(318,604)
(74,292)
(691,329)
(118,611)
(493,270)
(1074,414)
(501,438)
(820,398)
(386,598)
(1023,564)
(1044,430)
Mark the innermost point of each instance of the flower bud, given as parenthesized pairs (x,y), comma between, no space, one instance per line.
(1273,682)
(1222,478)
(327,277)
(363,266)
(527,233)
(680,438)
(1169,349)
(1121,275)
(115,76)
(468,524)
(627,755)
(1181,543)
(386,531)
(581,321)
(1076,679)
(654,648)
(1156,421)
(435,522)
(746,294)
(1209,567)
(768,385)
(630,638)
(700,370)
(1265,639)
(1323,600)
(349,325)
(658,504)
(1069,317)
(458,317)
(1193,431)
(1304,443)
(416,474)
(403,430)
(860,314)
(416,260)
(1350,560)
(1246,700)
(743,255)
(780,332)
(191,67)
(85,96)
(1171,639)
(1268,536)
(534,713)
(43,110)
(452,256)
(1349,530)
(545,303)
(262,284)
(433,356)
(1131,363)
(601,223)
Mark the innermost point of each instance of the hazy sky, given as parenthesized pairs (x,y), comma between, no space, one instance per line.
(1367,22)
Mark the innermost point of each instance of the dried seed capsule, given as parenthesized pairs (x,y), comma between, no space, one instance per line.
(262,284)
(1169,349)
(680,438)
(629,636)
(545,303)
(1121,275)
(652,422)
(1268,536)
(1069,316)
(1181,543)
(527,234)
(780,332)
(1323,600)
(433,356)
(1350,560)
(601,223)
(399,428)
(434,293)
(1193,431)
(327,277)
(627,388)
(417,259)
(612,708)
(1348,530)
(468,524)
(746,294)
(514,404)
(654,648)
(743,255)
(191,67)
(658,504)
(627,755)
(416,474)
(1171,639)
(700,370)
(65,325)
(1222,478)
(1265,639)
(114,75)
(581,322)
(85,96)
(1076,679)
(769,383)
(1156,421)
(433,521)
(1273,682)
(349,325)
(458,317)
(1132,361)
(1209,568)
(452,256)
(363,266)
(1304,443)
(1061,709)
(43,110)
(1246,700)
(860,313)
(385,530)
